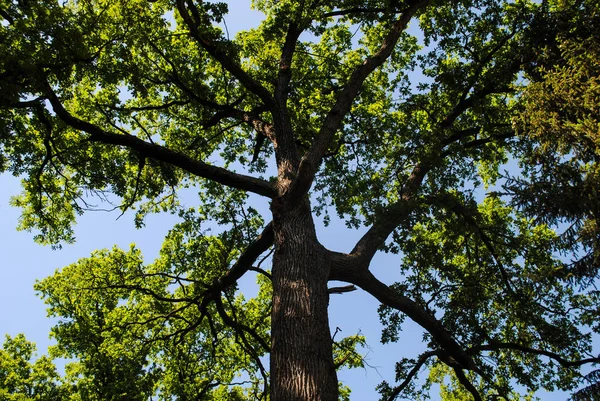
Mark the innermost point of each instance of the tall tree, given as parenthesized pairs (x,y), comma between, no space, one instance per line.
(327,107)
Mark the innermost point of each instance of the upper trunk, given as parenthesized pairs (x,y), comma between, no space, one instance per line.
(302,366)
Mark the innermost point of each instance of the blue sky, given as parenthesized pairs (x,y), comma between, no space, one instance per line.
(23,262)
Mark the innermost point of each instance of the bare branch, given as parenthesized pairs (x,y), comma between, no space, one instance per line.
(246,259)
(261,271)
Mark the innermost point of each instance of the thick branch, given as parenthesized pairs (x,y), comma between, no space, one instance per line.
(312,159)
(190,15)
(367,281)
(259,125)
(160,153)
(460,375)
(341,290)
(285,64)
(285,145)
(394,214)
(246,259)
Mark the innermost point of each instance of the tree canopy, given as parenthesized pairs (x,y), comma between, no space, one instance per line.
(460,136)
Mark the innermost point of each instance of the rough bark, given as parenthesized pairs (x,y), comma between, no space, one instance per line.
(302,366)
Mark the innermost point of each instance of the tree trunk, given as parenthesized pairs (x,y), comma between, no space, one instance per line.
(301,352)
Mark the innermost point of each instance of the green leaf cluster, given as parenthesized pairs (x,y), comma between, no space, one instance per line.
(22,379)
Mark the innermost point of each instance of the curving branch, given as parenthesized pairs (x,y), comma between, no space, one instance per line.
(245,262)
(194,21)
(497,346)
(354,273)
(368,245)
(161,153)
(397,212)
(312,159)
(413,372)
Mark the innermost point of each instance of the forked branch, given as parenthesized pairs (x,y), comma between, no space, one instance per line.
(312,159)
(246,260)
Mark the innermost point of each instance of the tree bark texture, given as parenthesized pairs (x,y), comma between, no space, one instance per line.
(302,366)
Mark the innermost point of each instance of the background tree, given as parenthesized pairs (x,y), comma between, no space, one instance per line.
(326,107)
(24,380)
(133,333)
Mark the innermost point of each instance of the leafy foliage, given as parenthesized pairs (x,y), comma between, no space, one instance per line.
(24,380)
(137,330)
(461,136)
